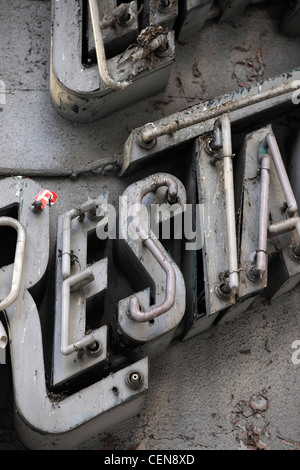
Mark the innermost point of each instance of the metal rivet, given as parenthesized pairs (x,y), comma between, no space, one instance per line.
(147,145)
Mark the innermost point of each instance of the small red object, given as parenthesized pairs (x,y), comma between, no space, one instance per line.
(44,198)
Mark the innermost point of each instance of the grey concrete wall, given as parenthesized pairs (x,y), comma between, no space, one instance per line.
(234,386)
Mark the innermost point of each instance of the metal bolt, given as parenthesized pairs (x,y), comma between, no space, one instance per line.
(209,149)
(253,275)
(297,251)
(294,252)
(163,50)
(94,349)
(134,380)
(172,197)
(223,291)
(125,18)
(36,206)
(122,12)
(97,213)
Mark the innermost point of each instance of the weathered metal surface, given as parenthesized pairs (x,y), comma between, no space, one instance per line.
(66,367)
(17,196)
(211,194)
(146,273)
(77,91)
(249,213)
(136,155)
(28,128)
(45,421)
(137,313)
(192,16)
